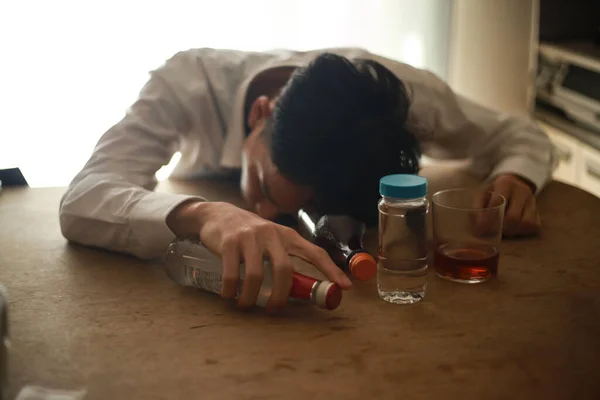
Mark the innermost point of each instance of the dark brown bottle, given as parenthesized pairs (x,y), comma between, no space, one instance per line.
(341,236)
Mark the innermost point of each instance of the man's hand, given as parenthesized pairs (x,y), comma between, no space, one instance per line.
(521,217)
(240,236)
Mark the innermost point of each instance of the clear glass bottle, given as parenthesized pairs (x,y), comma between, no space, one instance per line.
(189,263)
(402,264)
(342,237)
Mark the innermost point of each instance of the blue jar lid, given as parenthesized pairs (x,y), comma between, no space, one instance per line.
(401,186)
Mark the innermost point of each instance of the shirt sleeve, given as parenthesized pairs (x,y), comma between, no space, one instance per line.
(453,127)
(110,203)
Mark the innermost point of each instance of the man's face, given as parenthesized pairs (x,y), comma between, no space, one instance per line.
(265,190)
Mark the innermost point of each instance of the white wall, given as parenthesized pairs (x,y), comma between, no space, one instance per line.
(492,52)
(416,32)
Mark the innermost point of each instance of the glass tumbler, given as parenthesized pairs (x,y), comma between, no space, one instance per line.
(467,232)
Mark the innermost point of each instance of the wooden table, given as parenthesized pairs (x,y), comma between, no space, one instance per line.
(84,318)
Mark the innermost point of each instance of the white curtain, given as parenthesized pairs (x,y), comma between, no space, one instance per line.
(69,69)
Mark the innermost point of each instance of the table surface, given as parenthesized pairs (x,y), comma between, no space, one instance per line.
(118,327)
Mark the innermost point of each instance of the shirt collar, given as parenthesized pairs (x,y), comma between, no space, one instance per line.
(231,156)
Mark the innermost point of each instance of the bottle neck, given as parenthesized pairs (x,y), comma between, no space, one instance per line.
(338,251)
(339,235)
(308,220)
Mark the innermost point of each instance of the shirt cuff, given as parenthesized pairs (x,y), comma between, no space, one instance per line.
(525,168)
(148,221)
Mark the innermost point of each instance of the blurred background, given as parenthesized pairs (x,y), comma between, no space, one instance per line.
(69,69)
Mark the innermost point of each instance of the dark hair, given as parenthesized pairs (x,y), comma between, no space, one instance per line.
(338,127)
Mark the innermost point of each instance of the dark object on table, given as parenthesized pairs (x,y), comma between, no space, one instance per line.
(286,220)
(341,236)
(12,177)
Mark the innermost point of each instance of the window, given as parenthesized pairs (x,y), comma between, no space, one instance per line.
(69,69)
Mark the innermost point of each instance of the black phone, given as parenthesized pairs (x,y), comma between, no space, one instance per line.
(12,177)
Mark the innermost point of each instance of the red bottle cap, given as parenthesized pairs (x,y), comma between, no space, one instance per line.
(362,266)
(328,295)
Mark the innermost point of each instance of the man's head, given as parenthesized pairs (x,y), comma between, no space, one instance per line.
(336,128)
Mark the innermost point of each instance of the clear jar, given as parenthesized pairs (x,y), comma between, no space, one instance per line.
(402,264)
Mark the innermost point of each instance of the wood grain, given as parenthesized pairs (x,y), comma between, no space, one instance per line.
(86,318)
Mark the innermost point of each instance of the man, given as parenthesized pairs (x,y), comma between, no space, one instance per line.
(311,129)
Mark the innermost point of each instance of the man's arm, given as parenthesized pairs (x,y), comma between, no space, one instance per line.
(110,203)
(511,152)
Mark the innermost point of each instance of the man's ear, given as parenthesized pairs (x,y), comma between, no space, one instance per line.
(259,110)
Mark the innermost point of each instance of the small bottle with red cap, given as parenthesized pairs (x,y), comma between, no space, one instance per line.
(342,237)
(189,263)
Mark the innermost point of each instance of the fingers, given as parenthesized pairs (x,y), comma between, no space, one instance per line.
(514,210)
(253,272)
(282,273)
(486,218)
(530,222)
(482,199)
(241,237)
(317,257)
(230,255)
(520,217)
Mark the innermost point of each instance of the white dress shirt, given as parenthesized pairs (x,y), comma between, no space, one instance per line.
(194,104)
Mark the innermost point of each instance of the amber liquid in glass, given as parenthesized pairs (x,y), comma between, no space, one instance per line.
(466,262)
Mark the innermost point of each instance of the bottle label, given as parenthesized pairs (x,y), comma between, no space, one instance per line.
(207,280)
